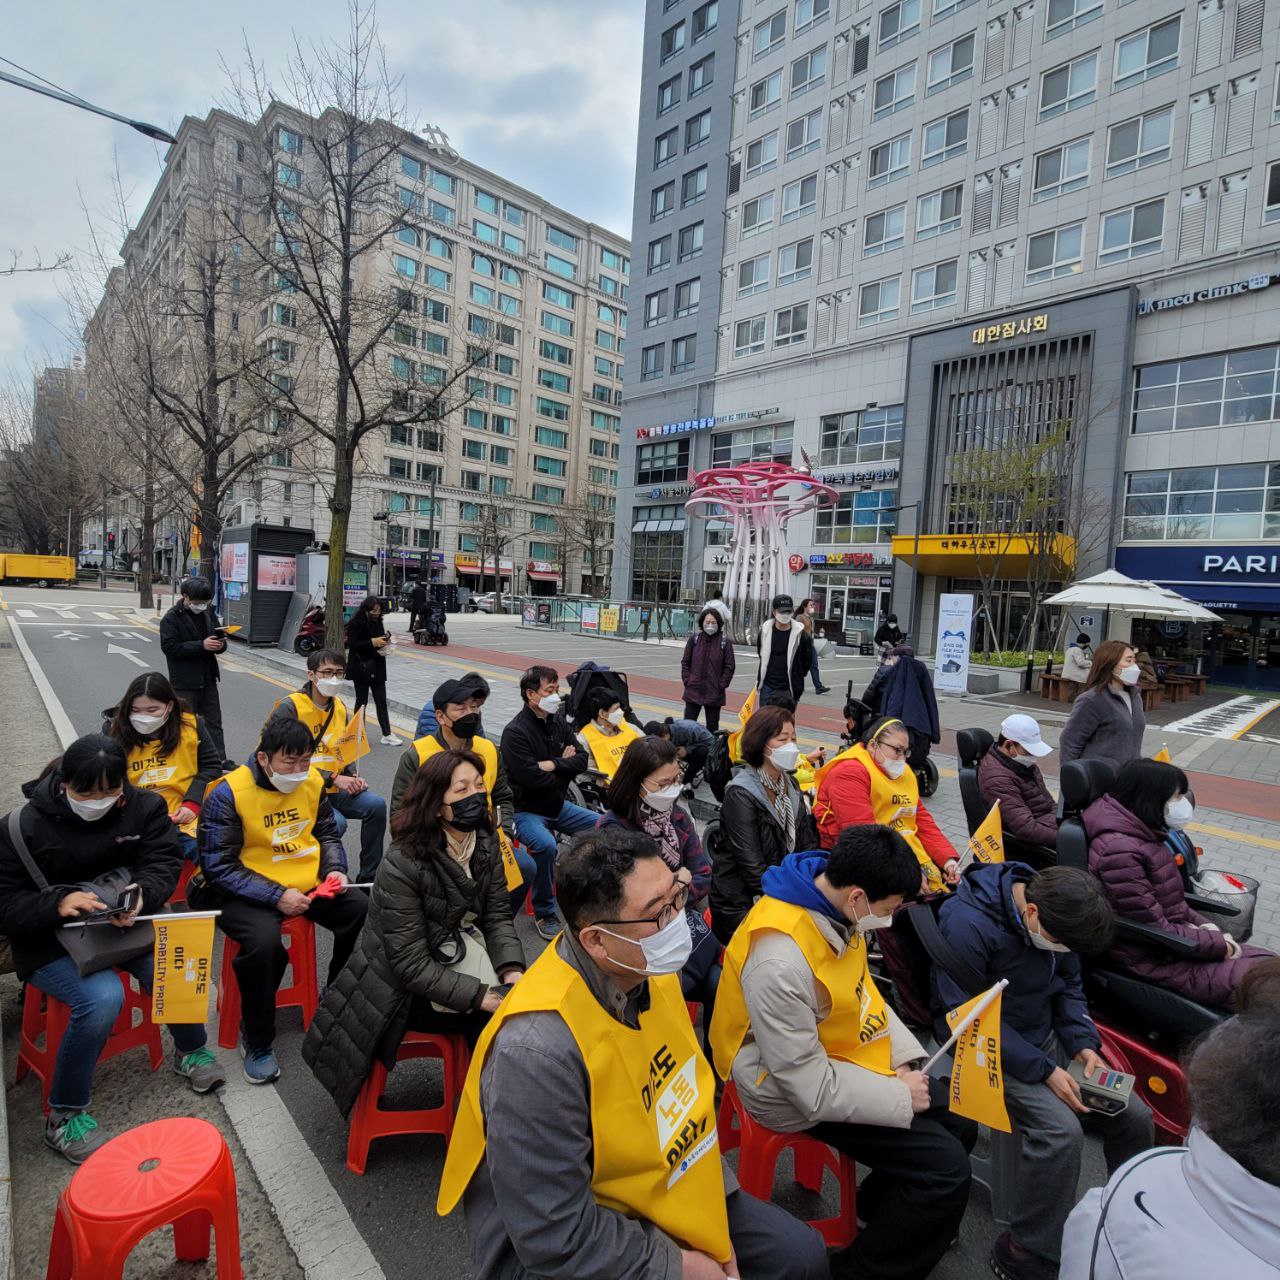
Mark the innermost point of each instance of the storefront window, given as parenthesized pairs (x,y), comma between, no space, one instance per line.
(857,518)
(1207,391)
(753,444)
(1199,503)
(657,566)
(848,605)
(662,463)
(873,435)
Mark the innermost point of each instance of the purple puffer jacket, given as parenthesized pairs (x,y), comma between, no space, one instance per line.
(1143,883)
(707,668)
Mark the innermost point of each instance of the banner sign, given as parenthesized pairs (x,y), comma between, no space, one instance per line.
(951,665)
(183,965)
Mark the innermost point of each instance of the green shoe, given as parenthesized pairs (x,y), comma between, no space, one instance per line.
(73,1134)
(201,1068)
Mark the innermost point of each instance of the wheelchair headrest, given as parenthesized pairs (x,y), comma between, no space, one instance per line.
(972,745)
(1082,782)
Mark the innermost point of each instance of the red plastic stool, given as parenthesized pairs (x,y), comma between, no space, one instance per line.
(46,1019)
(302,993)
(758,1162)
(168,1171)
(370,1121)
(179,893)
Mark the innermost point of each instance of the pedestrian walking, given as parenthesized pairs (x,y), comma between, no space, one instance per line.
(707,667)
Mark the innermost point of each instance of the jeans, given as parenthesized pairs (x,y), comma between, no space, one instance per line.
(370,811)
(95,1003)
(691,710)
(814,672)
(204,702)
(528,869)
(536,834)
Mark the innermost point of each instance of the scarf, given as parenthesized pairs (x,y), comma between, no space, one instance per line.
(460,848)
(780,799)
(659,827)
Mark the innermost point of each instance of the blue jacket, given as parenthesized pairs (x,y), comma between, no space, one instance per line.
(1045,993)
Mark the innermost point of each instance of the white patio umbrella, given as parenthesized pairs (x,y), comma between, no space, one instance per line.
(1133,596)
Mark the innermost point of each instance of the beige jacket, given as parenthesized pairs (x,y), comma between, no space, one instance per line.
(783,1074)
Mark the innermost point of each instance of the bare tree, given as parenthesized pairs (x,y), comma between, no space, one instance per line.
(587,526)
(493,528)
(328,156)
(39,267)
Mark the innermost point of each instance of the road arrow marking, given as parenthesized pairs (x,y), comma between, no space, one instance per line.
(127,653)
(68,635)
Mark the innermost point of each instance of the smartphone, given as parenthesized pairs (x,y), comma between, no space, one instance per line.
(129,902)
(1106,1091)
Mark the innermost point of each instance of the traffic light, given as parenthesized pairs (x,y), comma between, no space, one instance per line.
(111,539)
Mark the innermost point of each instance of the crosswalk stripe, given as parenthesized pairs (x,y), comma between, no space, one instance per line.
(26,613)
(110,617)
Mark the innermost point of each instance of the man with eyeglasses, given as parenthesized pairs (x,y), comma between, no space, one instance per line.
(629,1181)
(318,706)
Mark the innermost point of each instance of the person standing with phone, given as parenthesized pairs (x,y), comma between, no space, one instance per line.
(367,648)
(191,639)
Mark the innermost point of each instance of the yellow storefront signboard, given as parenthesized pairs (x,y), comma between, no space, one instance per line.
(954,555)
(1004,330)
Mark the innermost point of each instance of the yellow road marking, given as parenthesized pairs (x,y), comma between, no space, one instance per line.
(1241,837)
(1262,715)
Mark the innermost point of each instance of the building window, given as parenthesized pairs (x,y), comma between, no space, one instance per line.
(672,42)
(687,296)
(482,294)
(657,562)
(554,381)
(1132,233)
(939,211)
(769,34)
(288,140)
(655,309)
(603,366)
(1271,209)
(804,135)
(1072,85)
(552,409)
(651,362)
(765,94)
(705,18)
(659,254)
(1063,169)
(702,74)
(809,71)
(1134,144)
(1226,504)
(753,444)
(551,437)
(757,214)
(474,449)
(562,239)
(884,230)
(809,12)
(545,466)
(1066,15)
(557,324)
(398,468)
(933,287)
(438,212)
(874,435)
(668,95)
(865,517)
(894,92)
(555,351)
(791,325)
(1147,54)
(799,198)
(762,154)
(898,21)
(662,201)
(562,267)
(945,138)
(697,130)
(748,336)
(663,462)
(950,65)
(693,187)
(666,148)
(753,275)
(879,302)
(684,352)
(690,246)
(1207,391)
(795,261)
(889,160)
(1055,253)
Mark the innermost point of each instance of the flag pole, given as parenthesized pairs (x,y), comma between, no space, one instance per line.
(983,1005)
(160,915)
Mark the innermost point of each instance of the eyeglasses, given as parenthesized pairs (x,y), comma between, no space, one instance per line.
(330,674)
(665,916)
(894,752)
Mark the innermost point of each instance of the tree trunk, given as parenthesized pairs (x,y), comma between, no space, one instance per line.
(147,540)
(339,520)
(208,521)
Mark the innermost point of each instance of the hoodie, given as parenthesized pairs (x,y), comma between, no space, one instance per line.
(1045,994)
(794,879)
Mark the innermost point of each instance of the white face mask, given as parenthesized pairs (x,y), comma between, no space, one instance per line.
(287,782)
(785,757)
(893,768)
(198,606)
(711,627)
(616,716)
(666,951)
(330,686)
(147,725)
(1178,813)
(92,810)
(550,703)
(662,800)
(870,922)
(1039,940)
(1131,675)
(784,616)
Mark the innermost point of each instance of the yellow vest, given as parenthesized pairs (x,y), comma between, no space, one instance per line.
(857,1028)
(430,746)
(279,830)
(313,717)
(170,775)
(607,749)
(894,802)
(655,1154)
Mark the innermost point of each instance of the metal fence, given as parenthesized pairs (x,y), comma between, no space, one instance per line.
(626,620)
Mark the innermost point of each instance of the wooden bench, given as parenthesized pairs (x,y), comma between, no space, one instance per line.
(1152,699)
(1198,683)
(1056,688)
(1176,689)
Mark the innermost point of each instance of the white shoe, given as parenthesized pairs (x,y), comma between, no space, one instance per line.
(390,740)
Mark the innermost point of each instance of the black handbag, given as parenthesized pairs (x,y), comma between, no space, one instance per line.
(93,947)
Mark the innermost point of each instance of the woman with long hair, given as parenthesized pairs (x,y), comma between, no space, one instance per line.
(707,666)
(81,820)
(168,748)
(1127,829)
(806,611)
(439,949)
(367,645)
(1107,720)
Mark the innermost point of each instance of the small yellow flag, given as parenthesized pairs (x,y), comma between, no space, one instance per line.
(977,1082)
(1163,756)
(183,966)
(510,867)
(987,843)
(744,714)
(352,743)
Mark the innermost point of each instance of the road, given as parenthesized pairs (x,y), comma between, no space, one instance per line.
(87,648)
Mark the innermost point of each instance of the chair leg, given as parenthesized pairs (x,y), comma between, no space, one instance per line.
(809,1165)
(61,1252)
(191,1236)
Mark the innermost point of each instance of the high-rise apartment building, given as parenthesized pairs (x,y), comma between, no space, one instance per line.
(486,271)
(944,221)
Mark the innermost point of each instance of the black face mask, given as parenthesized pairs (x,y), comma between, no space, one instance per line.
(466,726)
(471,813)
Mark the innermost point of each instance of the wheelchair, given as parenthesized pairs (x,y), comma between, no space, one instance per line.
(971,746)
(590,790)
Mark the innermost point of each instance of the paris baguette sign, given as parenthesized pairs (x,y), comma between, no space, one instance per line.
(1147,306)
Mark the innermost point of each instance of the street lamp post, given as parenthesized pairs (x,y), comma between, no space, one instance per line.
(147,130)
(915,563)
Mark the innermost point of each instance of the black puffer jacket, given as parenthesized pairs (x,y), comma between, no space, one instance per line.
(182,637)
(415,909)
(68,850)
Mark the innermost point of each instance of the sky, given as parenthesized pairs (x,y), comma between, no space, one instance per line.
(543,92)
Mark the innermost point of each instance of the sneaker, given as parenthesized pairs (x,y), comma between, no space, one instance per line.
(260,1065)
(548,927)
(390,740)
(822,688)
(1010,1261)
(73,1134)
(201,1068)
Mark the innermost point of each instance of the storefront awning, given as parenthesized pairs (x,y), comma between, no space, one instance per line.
(959,555)
(542,575)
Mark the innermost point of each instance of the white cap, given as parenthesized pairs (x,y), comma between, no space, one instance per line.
(1026,733)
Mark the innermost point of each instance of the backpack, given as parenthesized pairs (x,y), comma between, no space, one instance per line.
(718,768)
